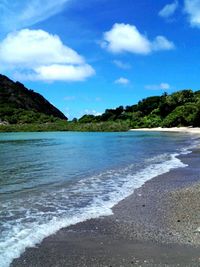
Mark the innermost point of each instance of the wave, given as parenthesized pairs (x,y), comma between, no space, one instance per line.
(87,199)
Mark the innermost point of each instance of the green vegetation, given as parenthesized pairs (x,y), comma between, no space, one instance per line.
(21,105)
(66,126)
(181,108)
(22,116)
(24,110)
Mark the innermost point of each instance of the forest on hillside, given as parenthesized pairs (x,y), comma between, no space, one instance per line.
(181,108)
(19,105)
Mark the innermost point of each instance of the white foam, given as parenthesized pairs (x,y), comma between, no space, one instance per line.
(120,184)
(13,247)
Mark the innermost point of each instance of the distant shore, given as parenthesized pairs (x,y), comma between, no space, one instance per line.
(89,127)
(158,225)
(173,129)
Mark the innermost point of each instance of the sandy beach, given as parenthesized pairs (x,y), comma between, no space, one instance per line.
(190,130)
(158,225)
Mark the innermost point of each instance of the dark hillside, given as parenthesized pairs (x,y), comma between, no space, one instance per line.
(15,98)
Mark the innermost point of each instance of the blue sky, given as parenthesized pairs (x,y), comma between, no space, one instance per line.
(86,56)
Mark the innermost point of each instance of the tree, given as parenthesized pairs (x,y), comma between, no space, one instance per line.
(182,116)
(87,118)
(147,105)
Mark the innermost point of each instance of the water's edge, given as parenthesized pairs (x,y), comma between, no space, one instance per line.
(102,206)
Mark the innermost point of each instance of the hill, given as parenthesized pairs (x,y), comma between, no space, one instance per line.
(181,108)
(24,110)
(21,105)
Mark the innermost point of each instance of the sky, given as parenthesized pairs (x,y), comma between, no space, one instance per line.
(87,56)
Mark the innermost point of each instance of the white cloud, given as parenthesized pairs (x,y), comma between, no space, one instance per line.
(122,81)
(121,64)
(18,14)
(192,8)
(126,38)
(161,43)
(162,86)
(168,10)
(35,47)
(64,72)
(38,55)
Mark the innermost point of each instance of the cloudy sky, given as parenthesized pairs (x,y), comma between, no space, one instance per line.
(86,56)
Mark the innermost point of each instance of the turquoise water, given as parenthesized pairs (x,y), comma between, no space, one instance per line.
(52,180)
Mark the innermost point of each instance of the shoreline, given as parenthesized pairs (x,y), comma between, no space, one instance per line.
(189,130)
(161,216)
(12,128)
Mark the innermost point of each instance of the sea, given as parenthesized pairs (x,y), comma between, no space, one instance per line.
(52,180)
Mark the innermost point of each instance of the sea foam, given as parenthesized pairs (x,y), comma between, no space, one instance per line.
(52,212)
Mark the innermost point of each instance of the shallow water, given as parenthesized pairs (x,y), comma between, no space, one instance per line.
(51,180)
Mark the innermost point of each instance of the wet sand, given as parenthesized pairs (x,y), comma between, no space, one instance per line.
(156,226)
